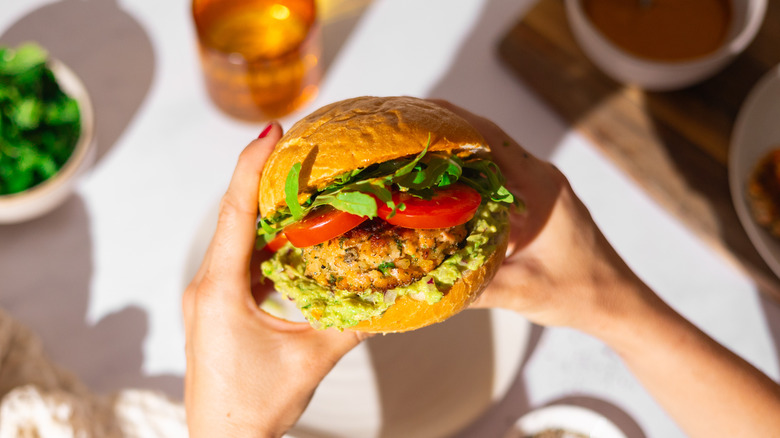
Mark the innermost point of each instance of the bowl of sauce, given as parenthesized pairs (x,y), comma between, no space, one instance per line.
(664,45)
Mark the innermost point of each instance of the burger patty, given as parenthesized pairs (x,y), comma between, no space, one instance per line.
(379,256)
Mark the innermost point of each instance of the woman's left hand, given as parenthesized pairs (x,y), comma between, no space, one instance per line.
(248,373)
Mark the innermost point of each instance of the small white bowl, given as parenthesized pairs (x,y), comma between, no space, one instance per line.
(569,418)
(747,16)
(756,132)
(46,196)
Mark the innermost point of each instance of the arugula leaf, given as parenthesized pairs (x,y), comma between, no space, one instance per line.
(409,167)
(346,177)
(266,227)
(452,173)
(432,175)
(291,192)
(377,189)
(486,177)
(357,203)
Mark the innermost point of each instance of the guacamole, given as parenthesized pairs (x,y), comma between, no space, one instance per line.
(325,308)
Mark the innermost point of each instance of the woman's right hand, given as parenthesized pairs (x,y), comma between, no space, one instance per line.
(560,269)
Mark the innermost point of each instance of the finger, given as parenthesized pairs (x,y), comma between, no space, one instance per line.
(188,307)
(336,344)
(188,296)
(204,264)
(326,342)
(234,239)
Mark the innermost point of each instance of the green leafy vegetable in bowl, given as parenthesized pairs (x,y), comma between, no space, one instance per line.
(39,123)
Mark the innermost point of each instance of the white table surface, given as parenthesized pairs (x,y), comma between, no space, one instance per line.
(100,278)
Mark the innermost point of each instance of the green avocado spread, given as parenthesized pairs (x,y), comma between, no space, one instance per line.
(341,309)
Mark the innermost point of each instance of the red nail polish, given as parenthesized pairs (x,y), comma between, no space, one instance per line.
(266,130)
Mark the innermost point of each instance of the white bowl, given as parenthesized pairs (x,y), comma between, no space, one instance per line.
(756,132)
(49,194)
(572,419)
(747,16)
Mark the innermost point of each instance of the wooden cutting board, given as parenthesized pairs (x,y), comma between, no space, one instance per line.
(675,144)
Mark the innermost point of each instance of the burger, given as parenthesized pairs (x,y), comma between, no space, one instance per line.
(385,214)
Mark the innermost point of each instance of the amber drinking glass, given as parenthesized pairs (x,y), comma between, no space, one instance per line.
(260,58)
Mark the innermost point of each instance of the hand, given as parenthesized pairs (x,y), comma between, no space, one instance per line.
(559,270)
(248,373)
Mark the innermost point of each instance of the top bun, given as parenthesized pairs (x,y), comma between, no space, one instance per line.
(356,133)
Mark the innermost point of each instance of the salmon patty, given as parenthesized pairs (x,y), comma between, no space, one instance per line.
(379,256)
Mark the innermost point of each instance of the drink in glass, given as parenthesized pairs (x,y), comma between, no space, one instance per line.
(260,57)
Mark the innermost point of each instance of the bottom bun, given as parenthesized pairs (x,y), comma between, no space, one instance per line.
(410,314)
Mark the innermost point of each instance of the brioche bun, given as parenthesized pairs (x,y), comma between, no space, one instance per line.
(356,133)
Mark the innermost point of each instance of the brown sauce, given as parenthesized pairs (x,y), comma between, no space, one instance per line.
(663,30)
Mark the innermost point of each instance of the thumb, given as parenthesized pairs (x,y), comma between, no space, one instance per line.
(335,344)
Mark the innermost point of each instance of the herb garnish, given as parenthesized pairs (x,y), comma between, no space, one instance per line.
(385,267)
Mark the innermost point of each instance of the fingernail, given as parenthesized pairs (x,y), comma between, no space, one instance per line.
(266,130)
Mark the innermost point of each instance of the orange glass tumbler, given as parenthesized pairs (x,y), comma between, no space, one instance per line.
(260,58)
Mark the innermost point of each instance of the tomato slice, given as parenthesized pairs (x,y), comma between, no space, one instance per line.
(276,243)
(321,225)
(449,206)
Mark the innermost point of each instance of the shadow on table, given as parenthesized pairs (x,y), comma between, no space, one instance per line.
(46,264)
(46,267)
(525,53)
(694,126)
(337,26)
(515,404)
(482,93)
(616,415)
(674,144)
(435,377)
(505,412)
(106,47)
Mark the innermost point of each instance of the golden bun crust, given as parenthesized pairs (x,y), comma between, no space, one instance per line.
(356,133)
(409,314)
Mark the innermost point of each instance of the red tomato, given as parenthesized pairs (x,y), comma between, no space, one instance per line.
(450,206)
(276,243)
(321,225)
